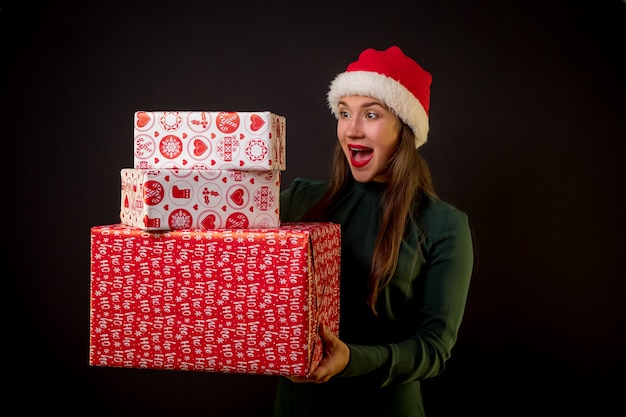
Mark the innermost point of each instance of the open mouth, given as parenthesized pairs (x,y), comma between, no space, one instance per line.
(360,155)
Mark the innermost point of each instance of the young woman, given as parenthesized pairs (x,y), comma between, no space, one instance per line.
(406,255)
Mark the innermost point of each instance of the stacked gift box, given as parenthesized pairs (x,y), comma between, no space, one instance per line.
(205,170)
(199,274)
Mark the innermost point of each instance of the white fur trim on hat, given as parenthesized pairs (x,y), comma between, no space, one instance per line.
(393,94)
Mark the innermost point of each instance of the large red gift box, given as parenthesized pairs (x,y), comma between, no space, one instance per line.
(248,141)
(230,300)
(170,199)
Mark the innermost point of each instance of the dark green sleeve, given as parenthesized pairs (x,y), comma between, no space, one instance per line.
(299,197)
(438,297)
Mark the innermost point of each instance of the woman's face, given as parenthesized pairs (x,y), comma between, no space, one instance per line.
(369,134)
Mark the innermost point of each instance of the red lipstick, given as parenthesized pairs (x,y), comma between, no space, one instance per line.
(360,155)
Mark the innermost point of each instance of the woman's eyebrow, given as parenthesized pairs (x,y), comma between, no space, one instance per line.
(366,104)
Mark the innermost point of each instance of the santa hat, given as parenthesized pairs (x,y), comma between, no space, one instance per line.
(393,78)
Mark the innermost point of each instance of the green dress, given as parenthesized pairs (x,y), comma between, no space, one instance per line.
(419,312)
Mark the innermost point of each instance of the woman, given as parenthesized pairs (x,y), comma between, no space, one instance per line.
(406,255)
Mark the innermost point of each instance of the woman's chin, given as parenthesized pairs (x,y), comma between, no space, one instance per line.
(361,175)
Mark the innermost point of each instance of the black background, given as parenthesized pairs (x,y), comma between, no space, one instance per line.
(528,125)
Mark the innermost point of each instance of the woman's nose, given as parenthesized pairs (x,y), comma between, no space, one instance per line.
(355,128)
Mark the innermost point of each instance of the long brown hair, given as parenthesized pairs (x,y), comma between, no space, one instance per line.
(407,176)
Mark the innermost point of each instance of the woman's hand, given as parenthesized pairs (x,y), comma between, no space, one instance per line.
(334,359)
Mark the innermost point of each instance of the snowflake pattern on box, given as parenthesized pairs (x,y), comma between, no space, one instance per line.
(231,301)
(173,199)
(249,141)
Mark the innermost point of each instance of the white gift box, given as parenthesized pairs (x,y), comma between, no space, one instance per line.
(247,141)
(171,199)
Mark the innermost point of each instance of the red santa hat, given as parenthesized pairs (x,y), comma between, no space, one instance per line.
(393,78)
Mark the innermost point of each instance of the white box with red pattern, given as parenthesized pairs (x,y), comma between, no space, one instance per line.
(171,199)
(248,141)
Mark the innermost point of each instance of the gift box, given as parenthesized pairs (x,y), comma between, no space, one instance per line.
(230,300)
(171,199)
(248,141)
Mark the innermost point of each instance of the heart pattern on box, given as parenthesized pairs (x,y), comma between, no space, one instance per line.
(175,139)
(257,122)
(171,144)
(199,147)
(165,197)
(208,222)
(237,197)
(143,119)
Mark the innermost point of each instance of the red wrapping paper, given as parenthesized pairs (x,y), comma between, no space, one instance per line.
(231,300)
